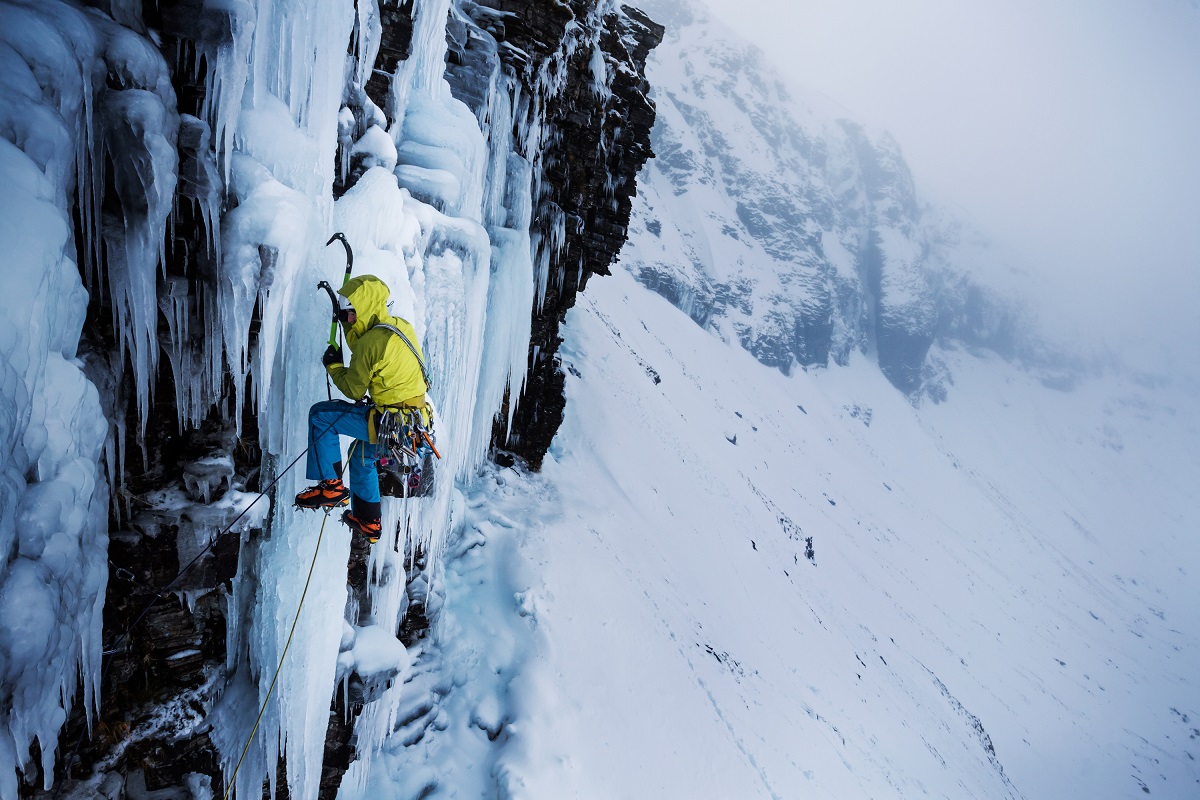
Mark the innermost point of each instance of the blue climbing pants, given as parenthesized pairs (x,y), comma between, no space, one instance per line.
(328,419)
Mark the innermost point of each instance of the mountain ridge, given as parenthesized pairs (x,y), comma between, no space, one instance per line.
(802,231)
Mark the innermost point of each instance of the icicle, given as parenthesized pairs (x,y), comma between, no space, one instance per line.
(548,247)
(228,61)
(200,179)
(346,126)
(601,87)
(140,126)
(174,306)
(429,47)
(368,35)
(54,500)
(498,130)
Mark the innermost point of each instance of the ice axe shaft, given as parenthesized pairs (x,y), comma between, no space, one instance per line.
(334,302)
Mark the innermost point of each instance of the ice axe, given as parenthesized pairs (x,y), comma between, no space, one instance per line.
(339,236)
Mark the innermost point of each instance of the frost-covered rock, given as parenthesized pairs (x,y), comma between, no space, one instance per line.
(582,126)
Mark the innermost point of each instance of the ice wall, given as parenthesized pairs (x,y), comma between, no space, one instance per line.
(437,198)
(437,208)
(284,137)
(53,493)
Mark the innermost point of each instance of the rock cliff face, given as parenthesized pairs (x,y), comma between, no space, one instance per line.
(582,67)
(772,218)
(186,462)
(596,131)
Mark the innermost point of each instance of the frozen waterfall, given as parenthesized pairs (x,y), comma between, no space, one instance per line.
(439,206)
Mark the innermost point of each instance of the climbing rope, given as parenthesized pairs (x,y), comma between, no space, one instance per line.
(123,639)
(233,778)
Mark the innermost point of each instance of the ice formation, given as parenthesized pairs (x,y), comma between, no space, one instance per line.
(436,199)
(439,207)
(53,493)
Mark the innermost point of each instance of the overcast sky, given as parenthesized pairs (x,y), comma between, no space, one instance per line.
(1068,128)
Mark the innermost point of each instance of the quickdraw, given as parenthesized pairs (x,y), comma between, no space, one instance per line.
(406,450)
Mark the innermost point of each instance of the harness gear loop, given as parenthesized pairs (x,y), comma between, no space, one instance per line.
(405,440)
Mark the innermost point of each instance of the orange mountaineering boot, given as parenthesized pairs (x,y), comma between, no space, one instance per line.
(326,494)
(370,528)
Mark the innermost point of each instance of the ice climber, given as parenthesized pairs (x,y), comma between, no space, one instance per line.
(386,368)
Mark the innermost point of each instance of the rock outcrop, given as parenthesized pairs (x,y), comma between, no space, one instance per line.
(584,67)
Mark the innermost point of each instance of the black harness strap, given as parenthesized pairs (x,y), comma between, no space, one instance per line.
(416,354)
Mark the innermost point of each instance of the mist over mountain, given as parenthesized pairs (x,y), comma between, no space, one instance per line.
(1064,130)
(776,220)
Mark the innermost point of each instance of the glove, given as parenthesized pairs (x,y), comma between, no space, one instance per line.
(333,355)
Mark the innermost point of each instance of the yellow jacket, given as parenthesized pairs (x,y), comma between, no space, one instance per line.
(381,364)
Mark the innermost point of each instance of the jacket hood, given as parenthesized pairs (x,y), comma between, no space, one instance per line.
(369,296)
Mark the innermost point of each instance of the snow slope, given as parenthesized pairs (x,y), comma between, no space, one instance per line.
(998,602)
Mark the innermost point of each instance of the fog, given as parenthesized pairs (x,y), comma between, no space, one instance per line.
(1069,130)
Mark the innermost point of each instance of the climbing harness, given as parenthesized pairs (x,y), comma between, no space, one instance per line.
(233,778)
(406,448)
(406,439)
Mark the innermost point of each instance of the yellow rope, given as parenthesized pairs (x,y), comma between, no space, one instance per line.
(261,711)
